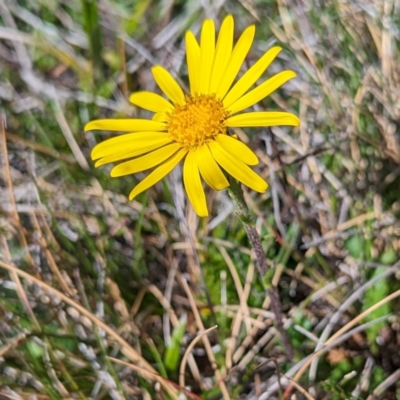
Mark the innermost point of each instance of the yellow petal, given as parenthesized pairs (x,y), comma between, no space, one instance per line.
(222,52)
(193,61)
(193,186)
(124,125)
(209,169)
(160,116)
(207,50)
(168,85)
(260,92)
(127,142)
(263,118)
(236,59)
(237,149)
(251,76)
(159,173)
(137,151)
(237,169)
(151,101)
(147,161)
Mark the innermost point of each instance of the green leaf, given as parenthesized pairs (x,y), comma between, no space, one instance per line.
(355,245)
(267,278)
(388,257)
(34,349)
(373,295)
(172,354)
(93,30)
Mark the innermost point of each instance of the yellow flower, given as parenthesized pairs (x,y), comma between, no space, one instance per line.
(194,126)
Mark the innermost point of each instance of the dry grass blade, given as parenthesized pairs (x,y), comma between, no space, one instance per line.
(69,137)
(256,349)
(85,273)
(341,331)
(250,337)
(40,148)
(158,377)
(243,315)
(7,177)
(207,345)
(287,377)
(300,389)
(186,355)
(342,308)
(148,374)
(12,343)
(175,322)
(389,381)
(19,288)
(50,259)
(126,348)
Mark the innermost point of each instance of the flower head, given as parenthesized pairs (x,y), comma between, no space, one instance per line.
(194,127)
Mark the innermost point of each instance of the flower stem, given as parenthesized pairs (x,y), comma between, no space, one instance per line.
(243,212)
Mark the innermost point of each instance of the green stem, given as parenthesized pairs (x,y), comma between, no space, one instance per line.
(93,31)
(243,212)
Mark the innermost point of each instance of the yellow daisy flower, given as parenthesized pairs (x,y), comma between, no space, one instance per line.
(194,126)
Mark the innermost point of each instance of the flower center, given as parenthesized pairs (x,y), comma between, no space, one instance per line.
(199,120)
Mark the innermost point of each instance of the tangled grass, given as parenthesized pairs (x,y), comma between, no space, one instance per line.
(105,298)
